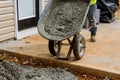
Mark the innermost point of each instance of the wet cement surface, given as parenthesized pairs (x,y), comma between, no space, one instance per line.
(66,18)
(12,71)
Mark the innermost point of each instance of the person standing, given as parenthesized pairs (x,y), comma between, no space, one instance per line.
(92,19)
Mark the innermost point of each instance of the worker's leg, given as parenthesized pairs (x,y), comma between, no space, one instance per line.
(92,21)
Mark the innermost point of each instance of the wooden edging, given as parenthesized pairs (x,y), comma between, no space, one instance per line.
(65,64)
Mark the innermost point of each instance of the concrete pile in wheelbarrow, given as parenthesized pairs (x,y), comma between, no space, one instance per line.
(12,71)
(63,19)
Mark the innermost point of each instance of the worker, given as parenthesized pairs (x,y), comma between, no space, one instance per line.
(92,19)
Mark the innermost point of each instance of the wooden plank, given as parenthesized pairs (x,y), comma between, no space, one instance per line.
(6,23)
(7,30)
(6,17)
(6,4)
(7,36)
(6,10)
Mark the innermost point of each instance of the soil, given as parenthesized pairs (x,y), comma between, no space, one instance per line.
(25,68)
(66,18)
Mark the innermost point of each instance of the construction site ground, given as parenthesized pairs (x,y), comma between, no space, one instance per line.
(101,57)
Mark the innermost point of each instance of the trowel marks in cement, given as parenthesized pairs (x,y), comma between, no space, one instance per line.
(11,71)
(66,18)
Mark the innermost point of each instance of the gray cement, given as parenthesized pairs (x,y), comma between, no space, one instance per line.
(66,18)
(12,71)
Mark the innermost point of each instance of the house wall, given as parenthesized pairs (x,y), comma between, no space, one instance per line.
(7,23)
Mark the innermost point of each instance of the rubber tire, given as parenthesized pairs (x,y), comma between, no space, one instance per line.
(79,51)
(51,47)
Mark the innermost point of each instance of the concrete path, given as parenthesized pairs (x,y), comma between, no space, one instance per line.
(101,57)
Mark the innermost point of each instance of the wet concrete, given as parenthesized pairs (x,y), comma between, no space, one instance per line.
(101,57)
(12,71)
(65,20)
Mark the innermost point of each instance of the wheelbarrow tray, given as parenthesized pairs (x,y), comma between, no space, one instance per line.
(49,13)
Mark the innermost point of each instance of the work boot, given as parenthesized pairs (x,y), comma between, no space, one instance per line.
(92,39)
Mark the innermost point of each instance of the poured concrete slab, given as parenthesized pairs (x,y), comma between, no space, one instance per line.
(101,57)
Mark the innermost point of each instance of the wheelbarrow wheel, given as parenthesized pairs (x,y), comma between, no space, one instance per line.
(78,46)
(53,47)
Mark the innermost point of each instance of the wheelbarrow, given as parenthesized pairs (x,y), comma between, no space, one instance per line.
(70,25)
